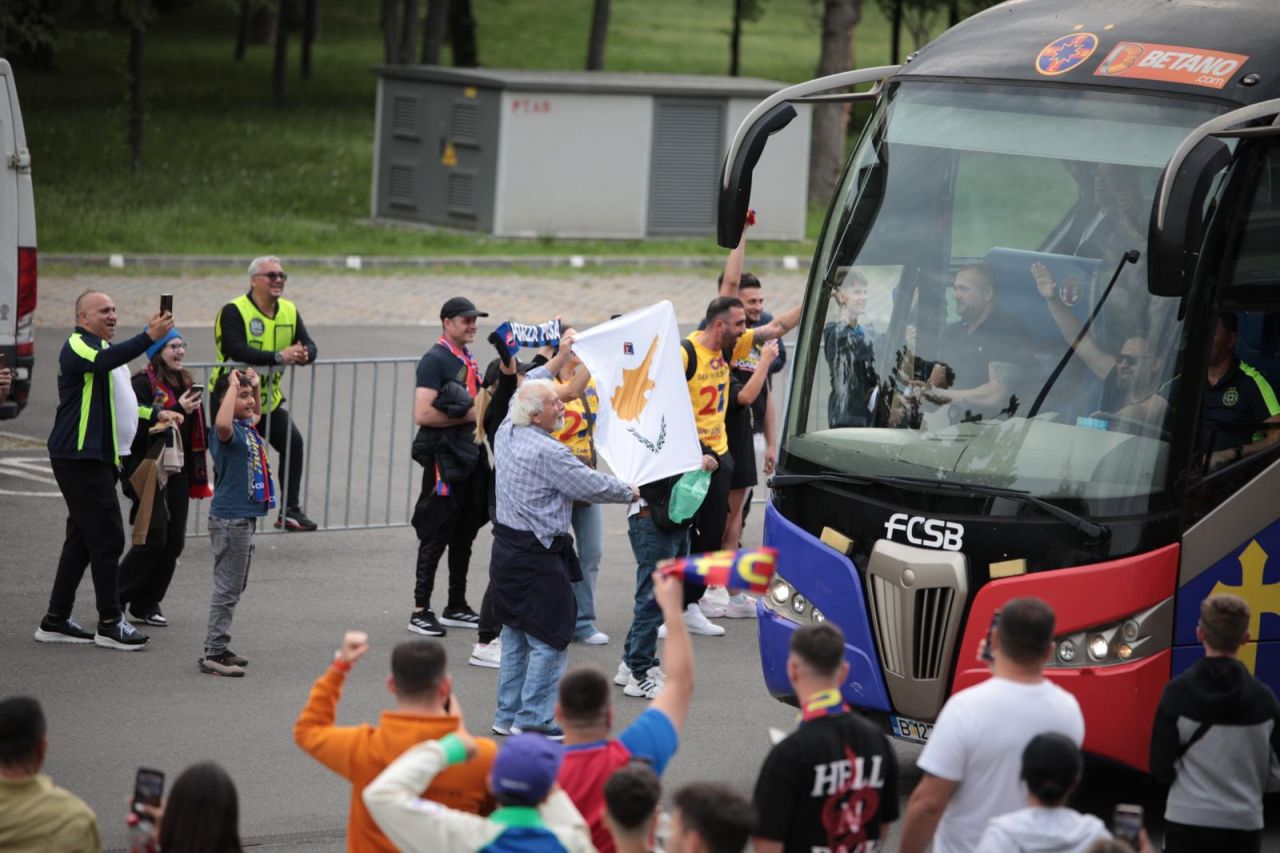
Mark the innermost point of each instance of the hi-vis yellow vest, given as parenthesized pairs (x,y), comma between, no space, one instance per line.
(263,333)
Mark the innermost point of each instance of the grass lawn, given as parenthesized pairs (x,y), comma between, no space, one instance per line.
(224,173)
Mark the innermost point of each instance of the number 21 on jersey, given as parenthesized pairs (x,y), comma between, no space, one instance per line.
(714,395)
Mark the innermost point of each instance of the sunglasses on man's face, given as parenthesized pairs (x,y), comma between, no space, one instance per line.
(274,276)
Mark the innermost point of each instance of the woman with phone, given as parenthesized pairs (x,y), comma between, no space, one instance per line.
(145,572)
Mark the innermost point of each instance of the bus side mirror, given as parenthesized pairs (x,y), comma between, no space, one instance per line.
(735,180)
(1174,246)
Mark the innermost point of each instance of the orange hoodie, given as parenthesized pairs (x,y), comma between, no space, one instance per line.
(360,753)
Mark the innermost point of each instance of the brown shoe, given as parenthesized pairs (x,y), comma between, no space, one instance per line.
(220,664)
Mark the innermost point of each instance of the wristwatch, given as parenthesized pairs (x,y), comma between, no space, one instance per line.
(279,357)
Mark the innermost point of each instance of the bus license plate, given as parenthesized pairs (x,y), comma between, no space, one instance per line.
(910,730)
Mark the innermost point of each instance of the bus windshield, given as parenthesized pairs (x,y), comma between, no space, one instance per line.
(961,322)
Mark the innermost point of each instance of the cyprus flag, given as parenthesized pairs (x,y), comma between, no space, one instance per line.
(644,428)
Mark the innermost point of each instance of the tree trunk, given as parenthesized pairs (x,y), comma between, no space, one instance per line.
(599,32)
(137,39)
(735,38)
(895,34)
(310,14)
(953,13)
(408,33)
(281,53)
(242,30)
(388,19)
(462,34)
(433,31)
(826,146)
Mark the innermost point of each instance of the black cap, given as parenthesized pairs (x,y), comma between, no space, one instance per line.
(460,306)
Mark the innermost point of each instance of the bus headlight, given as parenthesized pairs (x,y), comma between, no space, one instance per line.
(1134,637)
(786,601)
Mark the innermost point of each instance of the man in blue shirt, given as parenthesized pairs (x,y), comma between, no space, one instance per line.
(536,480)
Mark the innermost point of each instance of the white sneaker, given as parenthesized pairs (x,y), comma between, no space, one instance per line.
(717,595)
(710,609)
(741,607)
(599,638)
(647,689)
(488,655)
(699,624)
(623,675)
(662,631)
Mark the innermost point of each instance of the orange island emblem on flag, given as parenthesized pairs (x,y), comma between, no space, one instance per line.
(630,398)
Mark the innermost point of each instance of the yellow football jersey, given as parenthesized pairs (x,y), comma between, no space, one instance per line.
(578,423)
(709,388)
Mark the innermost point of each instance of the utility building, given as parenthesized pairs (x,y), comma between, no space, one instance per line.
(575,154)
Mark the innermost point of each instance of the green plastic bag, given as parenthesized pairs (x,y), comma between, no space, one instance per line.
(687,495)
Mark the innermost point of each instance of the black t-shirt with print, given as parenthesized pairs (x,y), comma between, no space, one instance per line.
(439,366)
(832,785)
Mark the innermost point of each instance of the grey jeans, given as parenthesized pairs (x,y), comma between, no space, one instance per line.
(232,540)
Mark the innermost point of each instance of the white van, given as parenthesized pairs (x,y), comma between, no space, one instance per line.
(17,249)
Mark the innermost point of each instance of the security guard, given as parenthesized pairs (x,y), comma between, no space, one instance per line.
(1239,398)
(266,331)
(84,455)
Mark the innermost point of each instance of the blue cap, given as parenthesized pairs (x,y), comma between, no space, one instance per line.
(525,769)
(160,344)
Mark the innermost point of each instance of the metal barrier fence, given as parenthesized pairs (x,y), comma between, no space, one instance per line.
(355,418)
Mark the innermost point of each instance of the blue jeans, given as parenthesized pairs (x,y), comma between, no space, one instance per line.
(527,680)
(588,535)
(649,544)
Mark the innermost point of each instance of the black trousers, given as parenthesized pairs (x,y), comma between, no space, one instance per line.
(709,521)
(145,572)
(279,430)
(1181,838)
(95,536)
(447,522)
(489,629)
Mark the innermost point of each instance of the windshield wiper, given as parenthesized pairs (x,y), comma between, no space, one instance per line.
(1090,529)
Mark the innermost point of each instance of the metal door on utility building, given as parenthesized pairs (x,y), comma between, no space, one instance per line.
(688,147)
(441,162)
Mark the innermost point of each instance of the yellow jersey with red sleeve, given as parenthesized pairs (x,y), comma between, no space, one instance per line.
(579,422)
(709,388)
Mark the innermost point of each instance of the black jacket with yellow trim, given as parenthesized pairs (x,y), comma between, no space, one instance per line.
(84,426)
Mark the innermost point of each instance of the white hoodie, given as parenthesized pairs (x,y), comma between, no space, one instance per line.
(1041,829)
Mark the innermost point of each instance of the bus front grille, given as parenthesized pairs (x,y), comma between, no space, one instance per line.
(916,599)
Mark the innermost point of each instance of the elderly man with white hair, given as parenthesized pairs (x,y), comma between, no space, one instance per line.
(265,331)
(534,561)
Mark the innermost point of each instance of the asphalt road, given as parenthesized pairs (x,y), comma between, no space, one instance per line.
(110,712)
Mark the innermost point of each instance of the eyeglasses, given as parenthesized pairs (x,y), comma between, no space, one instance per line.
(274,276)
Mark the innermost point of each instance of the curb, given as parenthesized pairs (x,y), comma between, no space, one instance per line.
(357,263)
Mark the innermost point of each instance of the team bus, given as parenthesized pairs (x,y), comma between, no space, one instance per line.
(1039,355)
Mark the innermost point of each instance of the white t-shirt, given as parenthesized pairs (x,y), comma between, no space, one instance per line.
(978,742)
(126,408)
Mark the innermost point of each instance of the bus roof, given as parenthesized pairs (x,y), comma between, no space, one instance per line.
(1215,48)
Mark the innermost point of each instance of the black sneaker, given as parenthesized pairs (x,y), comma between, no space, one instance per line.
(234,658)
(120,635)
(62,631)
(460,617)
(424,622)
(154,617)
(295,520)
(221,664)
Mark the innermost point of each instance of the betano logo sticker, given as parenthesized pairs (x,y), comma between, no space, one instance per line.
(1062,54)
(1170,64)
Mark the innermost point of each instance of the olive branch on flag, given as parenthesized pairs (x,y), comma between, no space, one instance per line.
(649,445)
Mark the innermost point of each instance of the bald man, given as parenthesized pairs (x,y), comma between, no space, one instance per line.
(84,454)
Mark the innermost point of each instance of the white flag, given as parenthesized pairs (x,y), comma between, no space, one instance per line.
(644,427)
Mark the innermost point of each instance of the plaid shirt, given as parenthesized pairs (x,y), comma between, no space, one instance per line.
(538,479)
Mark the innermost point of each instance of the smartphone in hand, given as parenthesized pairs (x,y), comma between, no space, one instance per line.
(197,389)
(166,303)
(1126,824)
(148,789)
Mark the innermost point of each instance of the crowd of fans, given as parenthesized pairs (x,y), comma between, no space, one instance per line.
(513,446)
